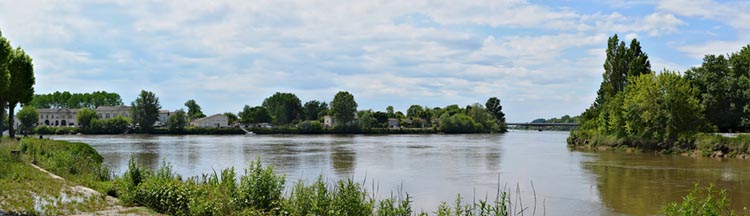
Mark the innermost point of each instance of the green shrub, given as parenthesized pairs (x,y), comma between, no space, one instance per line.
(703,202)
(260,187)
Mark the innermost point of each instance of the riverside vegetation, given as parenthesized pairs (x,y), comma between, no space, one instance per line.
(668,111)
(260,191)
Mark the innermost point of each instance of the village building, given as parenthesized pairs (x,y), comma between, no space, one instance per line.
(69,117)
(163,117)
(393,123)
(213,121)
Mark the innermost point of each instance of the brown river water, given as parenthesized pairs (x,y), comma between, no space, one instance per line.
(435,168)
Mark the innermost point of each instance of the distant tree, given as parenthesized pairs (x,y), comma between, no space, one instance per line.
(390,112)
(145,110)
(381,118)
(366,119)
(257,114)
(177,121)
(458,123)
(481,116)
(453,110)
(283,107)
(6,52)
(59,100)
(343,107)
(22,82)
(28,116)
(496,110)
(194,110)
(85,117)
(231,117)
(313,109)
(414,111)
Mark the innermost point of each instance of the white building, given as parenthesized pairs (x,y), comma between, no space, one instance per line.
(213,121)
(69,117)
(163,117)
(328,121)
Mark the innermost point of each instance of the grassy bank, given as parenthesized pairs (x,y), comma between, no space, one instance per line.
(260,191)
(702,144)
(25,189)
(45,130)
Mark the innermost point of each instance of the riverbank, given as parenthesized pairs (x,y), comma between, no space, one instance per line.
(701,145)
(44,130)
(26,188)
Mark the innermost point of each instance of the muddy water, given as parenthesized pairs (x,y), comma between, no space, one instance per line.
(435,168)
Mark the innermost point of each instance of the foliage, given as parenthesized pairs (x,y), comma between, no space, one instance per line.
(256,114)
(637,108)
(496,110)
(85,117)
(78,162)
(724,86)
(231,118)
(310,127)
(21,85)
(709,144)
(704,202)
(194,110)
(485,119)
(177,121)
(6,52)
(260,192)
(663,108)
(283,107)
(62,100)
(28,116)
(314,109)
(145,110)
(366,119)
(116,125)
(458,123)
(343,107)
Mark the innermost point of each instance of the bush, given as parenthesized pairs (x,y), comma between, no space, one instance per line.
(458,123)
(704,202)
(310,127)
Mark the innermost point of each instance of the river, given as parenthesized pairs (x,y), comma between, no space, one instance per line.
(435,168)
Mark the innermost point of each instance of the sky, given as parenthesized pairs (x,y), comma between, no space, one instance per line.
(543,59)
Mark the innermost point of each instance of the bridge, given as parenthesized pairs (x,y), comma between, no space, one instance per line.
(542,124)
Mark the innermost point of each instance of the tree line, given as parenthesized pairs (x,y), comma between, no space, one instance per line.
(287,109)
(67,100)
(16,81)
(637,106)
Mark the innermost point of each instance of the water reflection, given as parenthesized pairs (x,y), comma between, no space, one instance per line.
(642,184)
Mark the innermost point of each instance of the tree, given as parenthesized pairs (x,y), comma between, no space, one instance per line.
(28,116)
(177,121)
(21,88)
(313,109)
(481,116)
(390,112)
(414,111)
(194,110)
(85,117)
(6,52)
(343,107)
(145,110)
(663,107)
(724,85)
(366,119)
(458,123)
(283,107)
(257,114)
(69,100)
(231,117)
(496,110)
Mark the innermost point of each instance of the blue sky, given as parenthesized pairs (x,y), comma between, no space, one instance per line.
(541,58)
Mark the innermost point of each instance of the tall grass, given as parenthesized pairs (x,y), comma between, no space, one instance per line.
(261,192)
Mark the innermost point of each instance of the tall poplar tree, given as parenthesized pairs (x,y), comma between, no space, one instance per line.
(5,53)
(21,88)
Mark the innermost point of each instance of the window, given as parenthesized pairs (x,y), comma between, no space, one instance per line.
(100,115)
(114,115)
(107,115)
(125,114)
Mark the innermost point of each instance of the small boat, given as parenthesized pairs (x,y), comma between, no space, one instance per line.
(250,133)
